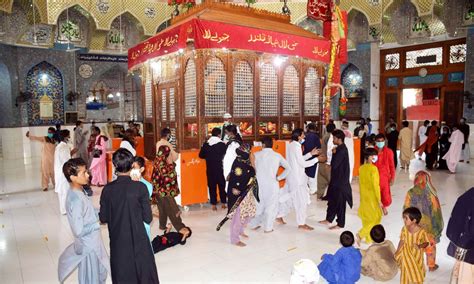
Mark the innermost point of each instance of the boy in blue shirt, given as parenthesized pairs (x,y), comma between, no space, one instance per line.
(344,266)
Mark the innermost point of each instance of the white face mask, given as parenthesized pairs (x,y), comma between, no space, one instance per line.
(135,173)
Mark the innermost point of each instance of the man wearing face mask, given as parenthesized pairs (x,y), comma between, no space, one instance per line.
(386,167)
(466,151)
(165,141)
(297,179)
(62,154)
(47,156)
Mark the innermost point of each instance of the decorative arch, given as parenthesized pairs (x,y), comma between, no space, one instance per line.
(351,78)
(133,32)
(79,6)
(45,82)
(359,23)
(79,16)
(130,14)
(163,25)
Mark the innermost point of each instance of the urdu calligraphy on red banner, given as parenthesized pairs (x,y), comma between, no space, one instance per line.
(319,10)
(210,34)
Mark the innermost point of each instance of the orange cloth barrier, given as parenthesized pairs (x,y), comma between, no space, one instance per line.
(355,172)
(193,178)
(139,145)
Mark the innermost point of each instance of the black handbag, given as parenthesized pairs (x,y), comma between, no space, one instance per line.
(96,153)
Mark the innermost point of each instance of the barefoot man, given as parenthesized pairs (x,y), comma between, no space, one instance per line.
(339,190)
(297,179)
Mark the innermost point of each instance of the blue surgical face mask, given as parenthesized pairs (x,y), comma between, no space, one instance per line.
(302,141)
(380,144)
(50,135)
(375,159)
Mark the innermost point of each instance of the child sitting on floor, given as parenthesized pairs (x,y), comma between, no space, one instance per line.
(413,242)
(344,266)
(170,239)
(378,261)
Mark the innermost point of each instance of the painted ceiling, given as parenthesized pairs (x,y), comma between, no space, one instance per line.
(115,25)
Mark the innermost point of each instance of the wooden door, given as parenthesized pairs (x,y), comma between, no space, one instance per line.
(452,110)
(391,107)
(166,110)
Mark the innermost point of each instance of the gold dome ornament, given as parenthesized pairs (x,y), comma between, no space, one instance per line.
(238,172)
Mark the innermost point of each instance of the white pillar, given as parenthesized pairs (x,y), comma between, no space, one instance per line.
(374,85)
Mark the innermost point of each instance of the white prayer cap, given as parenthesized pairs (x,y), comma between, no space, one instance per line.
(227,115)
(304,271)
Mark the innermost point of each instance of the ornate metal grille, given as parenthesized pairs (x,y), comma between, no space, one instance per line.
(457,53)
(243,90)
(214,88)
(392,61)
(424,57)
(311,92)
(172,106)
(190,89)
(163,105)
(268,91)
(148,96)
(291,97)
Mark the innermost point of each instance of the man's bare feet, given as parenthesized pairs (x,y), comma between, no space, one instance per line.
(240,244)
(335,227)
(280,221)
(305,227)
(214,208)
(385,211)
(434,268)
(243,235)
(268,232)
(45,189)
(224,206)
(256,228)
(324,222)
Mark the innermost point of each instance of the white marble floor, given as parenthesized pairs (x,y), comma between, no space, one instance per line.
(33,235)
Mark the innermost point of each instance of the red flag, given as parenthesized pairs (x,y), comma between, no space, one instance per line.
(319,10)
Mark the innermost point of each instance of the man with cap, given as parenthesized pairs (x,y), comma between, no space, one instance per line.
(228,121)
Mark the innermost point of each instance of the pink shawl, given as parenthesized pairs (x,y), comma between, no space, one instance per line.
(454,153)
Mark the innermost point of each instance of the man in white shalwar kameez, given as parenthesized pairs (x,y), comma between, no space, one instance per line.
(62,154)
(455,149)
(267,163)
(297,179)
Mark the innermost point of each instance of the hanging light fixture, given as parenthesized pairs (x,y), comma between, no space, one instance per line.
(285,10)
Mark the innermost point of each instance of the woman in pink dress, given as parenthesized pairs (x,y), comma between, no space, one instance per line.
(98,166)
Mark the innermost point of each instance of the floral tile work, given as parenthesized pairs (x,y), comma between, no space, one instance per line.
(45,82)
